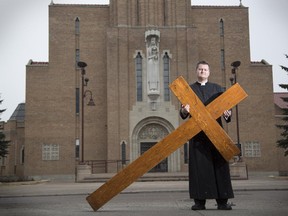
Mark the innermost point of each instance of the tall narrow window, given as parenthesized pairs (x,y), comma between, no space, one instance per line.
(186,153)
(221,27)
(123,152)
(77,26)
(138,12)
(77,100)
(22,155)
(77,56)
(166,76)
(139,89)
(77,148)
(222,59)
(165,12)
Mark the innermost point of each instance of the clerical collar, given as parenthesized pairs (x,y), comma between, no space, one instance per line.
(203,83)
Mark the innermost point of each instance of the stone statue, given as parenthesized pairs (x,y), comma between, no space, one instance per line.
(153,65)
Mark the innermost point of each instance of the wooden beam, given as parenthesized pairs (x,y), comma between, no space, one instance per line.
(162,149)
(204,119)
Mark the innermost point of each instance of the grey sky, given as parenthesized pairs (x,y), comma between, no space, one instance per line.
(24,36)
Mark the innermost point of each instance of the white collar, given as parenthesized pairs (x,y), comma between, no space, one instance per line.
(203,83)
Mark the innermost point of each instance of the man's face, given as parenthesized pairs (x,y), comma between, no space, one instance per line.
(203,72)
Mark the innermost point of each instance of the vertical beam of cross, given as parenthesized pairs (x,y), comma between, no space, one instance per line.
(165,147)
(204,119)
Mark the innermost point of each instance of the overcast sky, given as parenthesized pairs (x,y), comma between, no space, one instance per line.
(24,36)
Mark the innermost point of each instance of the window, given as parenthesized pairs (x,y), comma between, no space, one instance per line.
(77,26)
(138,13)
(123,152)
(222,59)
(166,76)
(186,153)
(165,6)
(77,56)
(22,155)
(50,152)
(252,149)
(77,148)
(77,100)
(138,62)
(221,27)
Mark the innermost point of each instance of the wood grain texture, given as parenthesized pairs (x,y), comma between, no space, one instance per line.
(165,147)
(204,119)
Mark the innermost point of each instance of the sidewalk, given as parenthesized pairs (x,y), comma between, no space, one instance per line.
(256,182)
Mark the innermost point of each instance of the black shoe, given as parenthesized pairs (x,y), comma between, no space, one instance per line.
(224,207)
(198,207)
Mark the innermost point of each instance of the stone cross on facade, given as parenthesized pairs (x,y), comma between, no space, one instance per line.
(203,118)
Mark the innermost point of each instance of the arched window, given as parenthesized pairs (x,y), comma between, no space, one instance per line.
(77,26)
(123,152)
(221,27)
(166,76)
(77,35)
(139,88)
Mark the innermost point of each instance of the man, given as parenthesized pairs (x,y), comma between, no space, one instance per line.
(209,175)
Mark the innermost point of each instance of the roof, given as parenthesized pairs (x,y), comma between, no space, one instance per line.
(279,101)
(19,113)
(37,63)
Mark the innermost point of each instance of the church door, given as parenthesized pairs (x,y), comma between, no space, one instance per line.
(162,166)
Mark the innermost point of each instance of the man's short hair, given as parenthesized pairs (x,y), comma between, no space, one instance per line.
(202,62)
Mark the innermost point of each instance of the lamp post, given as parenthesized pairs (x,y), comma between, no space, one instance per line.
(84,82)
(233,80)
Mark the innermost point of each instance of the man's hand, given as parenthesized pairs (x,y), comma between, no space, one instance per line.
(186,108)
(227,114)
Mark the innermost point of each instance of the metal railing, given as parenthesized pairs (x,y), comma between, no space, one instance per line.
(101,166)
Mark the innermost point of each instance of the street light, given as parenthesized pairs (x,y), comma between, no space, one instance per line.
(233,80)
(84,82)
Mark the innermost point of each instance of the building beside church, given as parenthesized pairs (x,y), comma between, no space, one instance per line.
(133,51)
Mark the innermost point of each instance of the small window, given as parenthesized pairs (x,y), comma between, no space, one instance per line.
(252,149)
(50,152)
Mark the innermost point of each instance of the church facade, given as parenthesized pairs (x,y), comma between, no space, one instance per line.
(133,51)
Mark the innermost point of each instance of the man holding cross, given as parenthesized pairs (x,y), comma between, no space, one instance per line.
(209,175)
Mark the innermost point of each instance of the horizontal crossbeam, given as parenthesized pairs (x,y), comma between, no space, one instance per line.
(162,149)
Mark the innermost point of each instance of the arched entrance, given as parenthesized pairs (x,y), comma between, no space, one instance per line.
(148,136)
(147,133)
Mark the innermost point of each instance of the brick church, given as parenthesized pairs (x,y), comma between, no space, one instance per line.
(131,51)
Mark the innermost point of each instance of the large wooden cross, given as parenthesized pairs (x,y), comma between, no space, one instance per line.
(203,118)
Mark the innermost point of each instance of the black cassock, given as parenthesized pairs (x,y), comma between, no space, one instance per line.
(209,175)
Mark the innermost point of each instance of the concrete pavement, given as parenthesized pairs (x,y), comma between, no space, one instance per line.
(144,198)
(256,181)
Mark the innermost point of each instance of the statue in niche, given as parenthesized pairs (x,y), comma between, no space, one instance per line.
(153,65)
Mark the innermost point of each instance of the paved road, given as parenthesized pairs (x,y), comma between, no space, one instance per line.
(260,195)
(247,203)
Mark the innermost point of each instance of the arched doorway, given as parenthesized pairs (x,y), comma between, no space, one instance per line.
(148,136)
(147,133)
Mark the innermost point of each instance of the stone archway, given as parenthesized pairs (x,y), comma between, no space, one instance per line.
(149,131)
